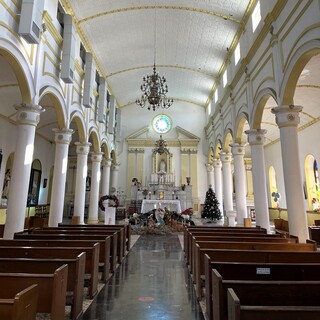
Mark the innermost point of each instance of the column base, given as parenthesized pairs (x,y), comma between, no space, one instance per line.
(75,220)
(93,221)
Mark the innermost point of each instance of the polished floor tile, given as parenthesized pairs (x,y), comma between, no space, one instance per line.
(151,283)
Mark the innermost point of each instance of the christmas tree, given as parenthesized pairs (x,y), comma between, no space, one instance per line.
(211,206)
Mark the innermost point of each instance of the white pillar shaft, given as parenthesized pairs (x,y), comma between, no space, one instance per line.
(227,181)
(240,182)
(287,118)
(81,175)
(256,140)
(94,192)
(210,176)
(114,176)
(62,139)
(105,177)
(218,183)
(28,117)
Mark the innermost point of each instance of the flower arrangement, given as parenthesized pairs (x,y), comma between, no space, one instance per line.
(188,212)
(315,204)
(108,197)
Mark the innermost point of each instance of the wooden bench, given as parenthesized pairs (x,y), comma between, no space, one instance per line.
(201,249)
(21,306)
(281,226)
(91,265)
(271,293)
(239,310)
(104,254)
(77,237)
(52,289)
(75,280)
(126,227)
(258,272)
(120,242)
(232,238)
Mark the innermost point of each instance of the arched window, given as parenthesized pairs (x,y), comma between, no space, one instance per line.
(312,186)
(274,194)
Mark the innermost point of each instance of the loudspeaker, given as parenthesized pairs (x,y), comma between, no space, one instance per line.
(102,102)
(89,78)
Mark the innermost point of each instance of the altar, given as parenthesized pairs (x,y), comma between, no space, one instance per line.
(171,205)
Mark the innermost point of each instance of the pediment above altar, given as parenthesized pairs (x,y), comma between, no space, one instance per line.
(178,137)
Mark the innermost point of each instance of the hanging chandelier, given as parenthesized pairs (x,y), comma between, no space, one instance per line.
(154,88)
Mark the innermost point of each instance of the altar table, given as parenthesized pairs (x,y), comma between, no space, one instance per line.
(171,205)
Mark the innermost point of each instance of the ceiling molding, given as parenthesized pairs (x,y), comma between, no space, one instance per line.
(212,13)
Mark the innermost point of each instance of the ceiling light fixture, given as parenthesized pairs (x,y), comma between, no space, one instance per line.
(154,88)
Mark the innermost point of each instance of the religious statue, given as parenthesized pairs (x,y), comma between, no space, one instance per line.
(162,166)
(6,183)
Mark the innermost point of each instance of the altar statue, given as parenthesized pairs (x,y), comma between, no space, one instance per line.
(162,166)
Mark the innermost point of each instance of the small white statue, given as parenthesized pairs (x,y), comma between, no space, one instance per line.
(162,166)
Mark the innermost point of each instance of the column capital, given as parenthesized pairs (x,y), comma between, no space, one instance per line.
(28,113)
(225,157)
(62,136)
(237,149)
(256,136)
(217,163)
(287,116)
(209,167)
(106,162)
(115,166)
(96,156)
(83,147)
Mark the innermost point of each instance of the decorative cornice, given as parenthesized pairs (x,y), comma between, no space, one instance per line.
(52,29)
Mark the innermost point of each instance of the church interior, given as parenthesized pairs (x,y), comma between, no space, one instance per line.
(206,111)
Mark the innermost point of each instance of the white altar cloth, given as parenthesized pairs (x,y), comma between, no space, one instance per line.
(171,205)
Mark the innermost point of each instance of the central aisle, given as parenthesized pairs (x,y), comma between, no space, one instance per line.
(152,283)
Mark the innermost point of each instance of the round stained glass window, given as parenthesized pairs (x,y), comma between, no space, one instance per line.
(161,123)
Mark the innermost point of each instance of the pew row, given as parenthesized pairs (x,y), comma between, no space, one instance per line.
(91,265)
(75,238)
(201,249)
(126,227)
(258,272)
(270,293)
(52,289)
(21,306)
(104,254)
(75,280)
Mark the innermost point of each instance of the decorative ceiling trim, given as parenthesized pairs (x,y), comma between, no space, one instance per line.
(9,85)
(160,66)
(212,13)
(312,86)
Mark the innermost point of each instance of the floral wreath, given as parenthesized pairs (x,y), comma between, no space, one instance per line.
(108,197)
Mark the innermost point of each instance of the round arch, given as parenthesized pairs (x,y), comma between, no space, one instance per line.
(20,68)
(105,149)
(58,103)
(77,117)
(239,128)
(94,135)
(227,140)
(297,62)
(259,104)
(217,149)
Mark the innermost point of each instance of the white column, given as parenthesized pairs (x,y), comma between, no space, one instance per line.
(210,175)
(218,182)
(94,192)
(287,118)
(227,180)
(62,140)
(28,116)
(238,152)
(114,175)
(256,138)
(81,175)
(106,165)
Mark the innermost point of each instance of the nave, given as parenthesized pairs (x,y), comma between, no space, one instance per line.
(152,283)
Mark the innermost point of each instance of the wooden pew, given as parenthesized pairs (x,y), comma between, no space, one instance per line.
(270,292)
(104,254)
(75,237)
(21,306)
(52,289)
(201,248)
(258,272)
(126,227)
(232,238)
(120,242)
(238,311)
(75,280)
(91,266)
